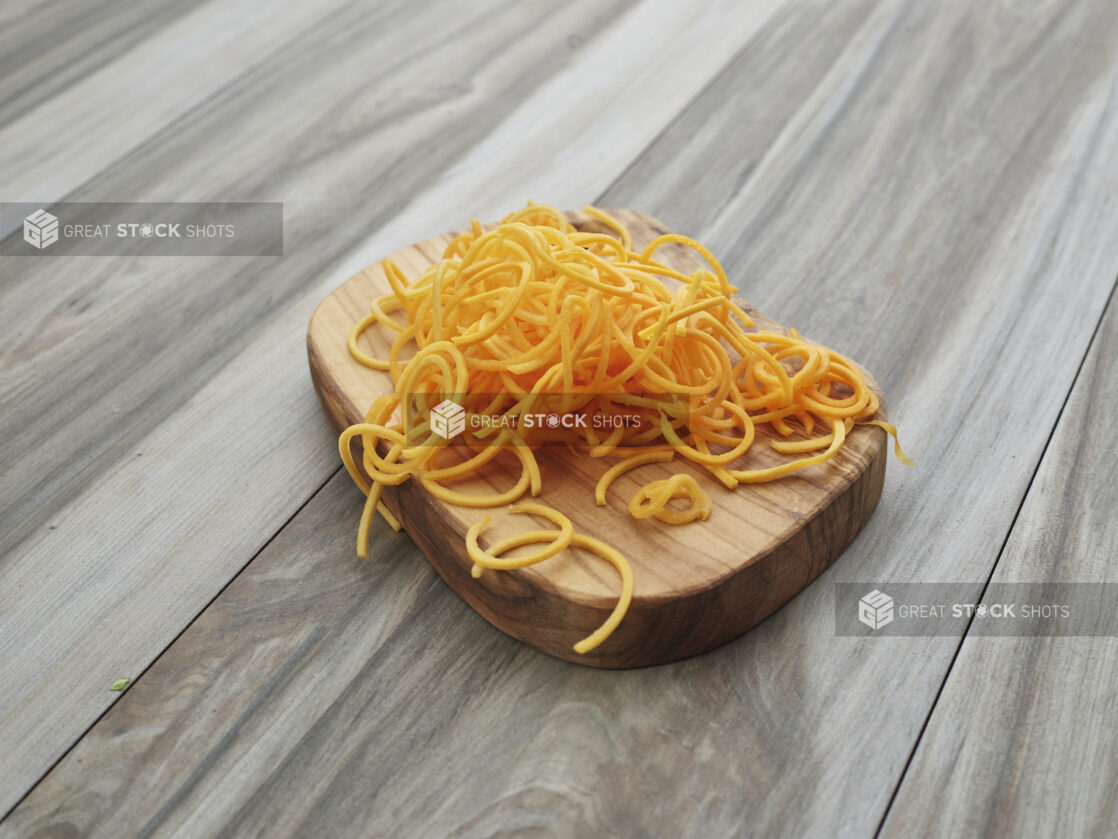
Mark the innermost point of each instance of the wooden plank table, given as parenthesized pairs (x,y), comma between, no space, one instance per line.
(926,187)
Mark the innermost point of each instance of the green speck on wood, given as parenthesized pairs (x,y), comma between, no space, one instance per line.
(121,684)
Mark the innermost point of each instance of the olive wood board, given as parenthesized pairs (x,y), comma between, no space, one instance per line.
(696,586)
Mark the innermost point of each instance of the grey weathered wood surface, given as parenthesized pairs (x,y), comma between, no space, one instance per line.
(157,427)
(948,168)
(46,49)
(1035,716)
(129,69)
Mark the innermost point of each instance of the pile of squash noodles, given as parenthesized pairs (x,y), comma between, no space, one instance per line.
(537,317)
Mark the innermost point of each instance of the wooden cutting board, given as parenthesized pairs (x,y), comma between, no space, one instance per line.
(696,586)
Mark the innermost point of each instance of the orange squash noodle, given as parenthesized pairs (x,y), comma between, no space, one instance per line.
(486,560)
(652,500)
(491,559)
(537,316)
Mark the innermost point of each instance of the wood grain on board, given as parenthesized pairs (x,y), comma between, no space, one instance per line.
(696,586)
(926,187)
(159,422)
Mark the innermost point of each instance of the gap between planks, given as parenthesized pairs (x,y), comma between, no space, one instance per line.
(997,560)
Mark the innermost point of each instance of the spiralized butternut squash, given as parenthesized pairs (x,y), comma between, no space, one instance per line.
(536,317)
